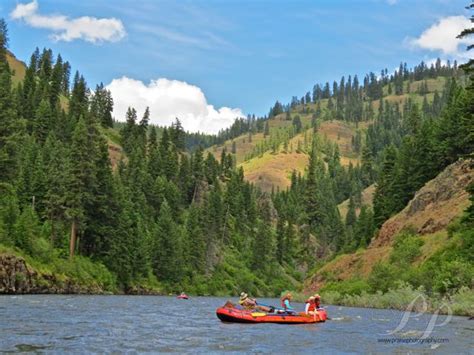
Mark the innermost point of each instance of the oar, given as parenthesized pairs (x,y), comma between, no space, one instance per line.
(276,308)
(266,305)
(273,308)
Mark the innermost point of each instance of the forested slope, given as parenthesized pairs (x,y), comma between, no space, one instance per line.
(98,209)
(128,207)
(275,145)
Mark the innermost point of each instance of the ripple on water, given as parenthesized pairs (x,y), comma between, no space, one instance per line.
(82,324)
(32,347)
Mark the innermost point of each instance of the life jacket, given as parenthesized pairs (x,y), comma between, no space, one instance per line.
(312,306)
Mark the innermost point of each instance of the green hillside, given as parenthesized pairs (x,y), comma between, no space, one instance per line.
(90,208)
(268,163)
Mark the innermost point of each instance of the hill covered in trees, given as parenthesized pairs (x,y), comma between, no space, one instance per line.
(163,219)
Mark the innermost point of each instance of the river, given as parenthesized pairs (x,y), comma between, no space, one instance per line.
(98,324)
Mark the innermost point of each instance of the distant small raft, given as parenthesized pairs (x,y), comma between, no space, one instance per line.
(182,297)
(235,315)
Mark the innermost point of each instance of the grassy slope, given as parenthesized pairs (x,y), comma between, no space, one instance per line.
(274,169)
(18,68)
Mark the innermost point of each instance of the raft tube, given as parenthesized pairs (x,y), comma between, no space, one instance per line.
(182,297)
(235,315)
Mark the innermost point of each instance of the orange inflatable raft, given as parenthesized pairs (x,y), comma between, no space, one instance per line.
(236,315)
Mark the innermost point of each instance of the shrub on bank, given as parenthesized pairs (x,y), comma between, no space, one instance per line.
(405,297)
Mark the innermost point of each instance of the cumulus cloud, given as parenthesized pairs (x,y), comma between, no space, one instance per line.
(169,99)
(441,36)
(90,29)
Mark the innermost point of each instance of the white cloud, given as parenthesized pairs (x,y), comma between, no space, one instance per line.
(169,99)
(441,36)
(90,29)
(392,2)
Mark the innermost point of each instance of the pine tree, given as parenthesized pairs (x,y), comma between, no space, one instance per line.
(102,105)
(384,196)
(29,87)
(56,82)
(312,202)
(101,212)
(367,168)
(8,120)
(280,240)
(27,229)
(9,213)
(196,244)
(262,246)
(364,228)
(351,217)
(177,135)
(128,132)
(455,131)
(78,103)
(81,180)
(43,121)
(167,246)
(266,131)
(119,258)
(57,165)
(142,131)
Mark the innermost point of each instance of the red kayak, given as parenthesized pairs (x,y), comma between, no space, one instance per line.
(182,297)
(236,315)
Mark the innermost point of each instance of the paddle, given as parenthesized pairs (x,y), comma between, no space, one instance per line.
(265,305)
(273,308)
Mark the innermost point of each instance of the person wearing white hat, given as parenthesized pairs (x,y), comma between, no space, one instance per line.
(251,303)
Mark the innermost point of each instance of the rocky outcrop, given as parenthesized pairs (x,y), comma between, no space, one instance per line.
(17,277)
(434,206)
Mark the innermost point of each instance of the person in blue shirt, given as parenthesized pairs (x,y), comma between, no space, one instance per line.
(285,303)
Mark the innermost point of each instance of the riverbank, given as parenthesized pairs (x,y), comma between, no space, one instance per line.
(21,274)
(403,298)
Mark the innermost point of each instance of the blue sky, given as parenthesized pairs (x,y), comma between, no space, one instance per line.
(241,54)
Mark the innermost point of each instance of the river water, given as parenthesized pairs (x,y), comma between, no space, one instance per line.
(136,324)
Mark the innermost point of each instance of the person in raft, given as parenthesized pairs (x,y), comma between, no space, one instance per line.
(251,303)
(312,304)
(285,303)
